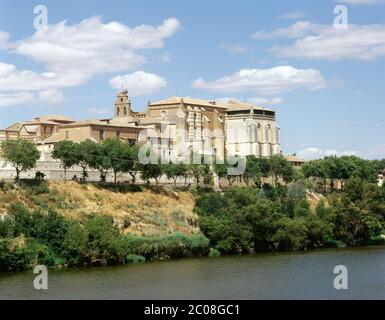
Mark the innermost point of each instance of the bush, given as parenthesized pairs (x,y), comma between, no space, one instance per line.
(214,253)
(105,245)
(176,245)
(126,222)
(15,256)
(134,258)
(281,218)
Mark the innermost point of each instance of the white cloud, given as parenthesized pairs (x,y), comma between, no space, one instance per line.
(51,96)
(319,153)
(139,83)
(72,54)
(358,2)
(315,41)
(265,81)
(12,79)
(376,152)
(12,99)
(296,30)
(293,15)
(234,48)
(91,47)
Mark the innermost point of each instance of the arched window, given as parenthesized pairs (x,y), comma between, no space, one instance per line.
(125,111)
(118,111)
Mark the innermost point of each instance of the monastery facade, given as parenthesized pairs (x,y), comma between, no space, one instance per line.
(173,127)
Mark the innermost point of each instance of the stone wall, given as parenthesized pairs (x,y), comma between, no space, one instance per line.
(54,171)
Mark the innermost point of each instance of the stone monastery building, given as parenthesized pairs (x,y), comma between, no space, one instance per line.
(176,124)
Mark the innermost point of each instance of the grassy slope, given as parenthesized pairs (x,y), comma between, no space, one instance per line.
(149,212)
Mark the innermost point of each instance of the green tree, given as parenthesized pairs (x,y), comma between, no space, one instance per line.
(118,156)
(133,166)
(253,171)
(151,171)
(175,171)
(21,154)
(280,168)
(85,153)
(98,158)
(65,151)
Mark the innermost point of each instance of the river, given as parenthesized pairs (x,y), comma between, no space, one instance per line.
(263,276)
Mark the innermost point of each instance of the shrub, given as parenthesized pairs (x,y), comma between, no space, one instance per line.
(126,222)
(16,256)
(105,244)
(76,244)
(175,245)
(134,258)
(214,253)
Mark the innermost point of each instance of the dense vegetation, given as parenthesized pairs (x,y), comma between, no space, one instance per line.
(271,217)
(46,237)
(271,206)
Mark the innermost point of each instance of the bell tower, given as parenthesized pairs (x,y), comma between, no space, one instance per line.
(122,104)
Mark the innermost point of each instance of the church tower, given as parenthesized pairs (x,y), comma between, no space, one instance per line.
(122,104)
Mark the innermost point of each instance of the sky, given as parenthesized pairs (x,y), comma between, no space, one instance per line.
(319,64)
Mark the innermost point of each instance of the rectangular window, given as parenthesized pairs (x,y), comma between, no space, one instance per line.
(101,135)
(118,135)
(67,134)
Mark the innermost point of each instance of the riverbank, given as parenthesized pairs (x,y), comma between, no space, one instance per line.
(66,225)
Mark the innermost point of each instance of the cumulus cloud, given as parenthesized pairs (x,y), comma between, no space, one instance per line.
(12,79)
(73,54)
(265,81)
(51,96)
(92,47)
(139,83)
(12,99)
(316,41)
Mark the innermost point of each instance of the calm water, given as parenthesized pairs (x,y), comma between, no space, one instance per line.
(265,276)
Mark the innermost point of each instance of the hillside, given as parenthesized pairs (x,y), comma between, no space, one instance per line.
(142,213)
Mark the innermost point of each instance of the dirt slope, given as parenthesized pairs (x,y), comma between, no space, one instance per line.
(143,213)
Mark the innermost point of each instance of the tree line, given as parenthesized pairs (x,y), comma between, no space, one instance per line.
(113,155)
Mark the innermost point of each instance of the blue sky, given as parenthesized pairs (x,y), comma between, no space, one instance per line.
(326,84)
